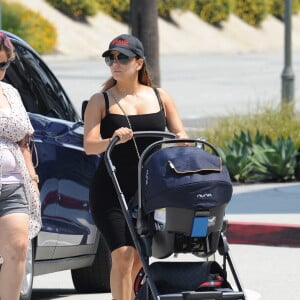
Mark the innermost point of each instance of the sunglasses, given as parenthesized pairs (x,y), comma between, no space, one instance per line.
(120,58)
(4,65)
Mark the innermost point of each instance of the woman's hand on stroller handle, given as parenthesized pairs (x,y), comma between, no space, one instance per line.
(124,133)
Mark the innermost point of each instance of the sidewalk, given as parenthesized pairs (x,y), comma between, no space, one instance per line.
(265,214)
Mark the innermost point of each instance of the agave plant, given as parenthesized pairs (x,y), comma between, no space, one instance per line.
(237,157)
(260,159)
(274,161)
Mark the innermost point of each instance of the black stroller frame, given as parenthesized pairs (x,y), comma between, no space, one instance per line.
(144,240)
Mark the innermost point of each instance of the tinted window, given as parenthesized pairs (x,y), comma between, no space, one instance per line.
(39,89)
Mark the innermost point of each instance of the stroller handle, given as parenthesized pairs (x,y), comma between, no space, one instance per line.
(170,138)
(162,134)
(136,134)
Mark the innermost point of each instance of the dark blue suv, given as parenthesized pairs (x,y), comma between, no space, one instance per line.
(69,238)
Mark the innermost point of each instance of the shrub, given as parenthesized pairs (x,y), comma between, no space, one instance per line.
(76,9)
(252,12)
(274,130)
(269,120)
(276,8)
(166,6)
(212,11)
(30,26)
(118,9)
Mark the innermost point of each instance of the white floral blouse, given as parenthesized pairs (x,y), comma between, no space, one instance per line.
(13,128)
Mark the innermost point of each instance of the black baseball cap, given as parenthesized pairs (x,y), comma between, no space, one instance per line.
(126,44)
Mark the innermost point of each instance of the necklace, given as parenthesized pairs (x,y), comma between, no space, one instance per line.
(129,123)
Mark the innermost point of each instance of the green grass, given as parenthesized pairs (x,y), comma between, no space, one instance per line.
(272,121)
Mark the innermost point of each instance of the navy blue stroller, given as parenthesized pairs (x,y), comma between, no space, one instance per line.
(179,209)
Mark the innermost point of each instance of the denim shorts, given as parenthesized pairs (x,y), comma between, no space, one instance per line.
(13,199)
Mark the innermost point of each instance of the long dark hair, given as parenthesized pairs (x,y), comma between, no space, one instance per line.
(7,46)
(143,78)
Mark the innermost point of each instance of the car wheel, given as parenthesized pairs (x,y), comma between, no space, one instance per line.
(28,277)
(96,277)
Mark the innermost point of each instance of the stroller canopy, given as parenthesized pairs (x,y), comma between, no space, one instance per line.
(184,177)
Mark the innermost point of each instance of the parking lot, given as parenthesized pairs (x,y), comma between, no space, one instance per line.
(203,87)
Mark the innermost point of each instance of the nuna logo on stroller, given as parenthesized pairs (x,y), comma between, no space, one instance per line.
(206,195)
(189,188)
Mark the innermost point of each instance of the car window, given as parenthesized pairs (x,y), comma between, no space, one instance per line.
(39,89)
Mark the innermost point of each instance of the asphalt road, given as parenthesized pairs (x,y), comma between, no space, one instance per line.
(267,273)
(202,86)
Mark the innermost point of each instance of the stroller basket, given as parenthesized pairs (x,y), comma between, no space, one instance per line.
(177,280)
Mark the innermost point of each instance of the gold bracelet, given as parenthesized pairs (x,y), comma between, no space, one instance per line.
(35,178)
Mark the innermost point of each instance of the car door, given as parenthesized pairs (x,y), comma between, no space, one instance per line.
(64,169)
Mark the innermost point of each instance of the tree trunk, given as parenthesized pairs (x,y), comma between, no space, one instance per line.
(144,25)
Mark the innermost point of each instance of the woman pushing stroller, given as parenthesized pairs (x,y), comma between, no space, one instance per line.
(128,102)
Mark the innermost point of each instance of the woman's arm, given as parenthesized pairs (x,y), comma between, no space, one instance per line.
(174,122)
(92,142)
(25,149)
(94,113)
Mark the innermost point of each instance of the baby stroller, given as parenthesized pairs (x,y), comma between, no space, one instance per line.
(179,209)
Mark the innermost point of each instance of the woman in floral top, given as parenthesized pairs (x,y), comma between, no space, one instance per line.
(19,194)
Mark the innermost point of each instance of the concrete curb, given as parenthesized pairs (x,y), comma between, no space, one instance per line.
(267,234)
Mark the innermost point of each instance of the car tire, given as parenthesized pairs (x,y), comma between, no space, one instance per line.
(94,279)
(26,290)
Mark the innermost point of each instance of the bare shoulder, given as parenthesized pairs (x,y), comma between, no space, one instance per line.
(97,99)
(95,105)
(161,91)
(164,95)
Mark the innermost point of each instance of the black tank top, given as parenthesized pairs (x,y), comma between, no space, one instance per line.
(125,154)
